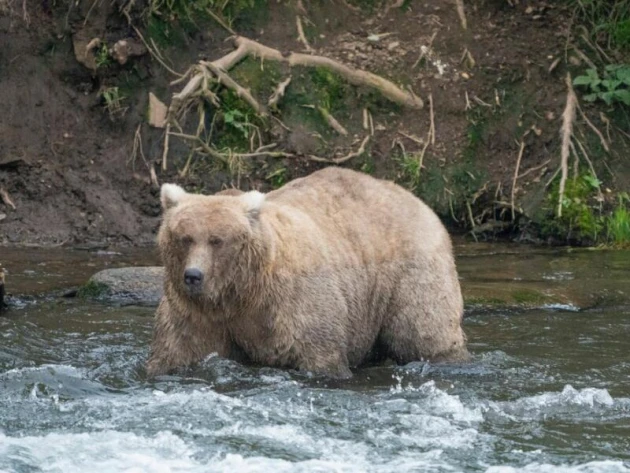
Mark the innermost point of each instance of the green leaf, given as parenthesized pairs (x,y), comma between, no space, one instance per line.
(592,181)
(592,73)
(611,84)
(623,95)
(607,97)
(582,80)
(590,97)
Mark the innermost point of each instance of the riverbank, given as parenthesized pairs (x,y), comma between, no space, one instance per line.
(85,141)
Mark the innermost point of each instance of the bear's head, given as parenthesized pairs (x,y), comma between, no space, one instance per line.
(208,242)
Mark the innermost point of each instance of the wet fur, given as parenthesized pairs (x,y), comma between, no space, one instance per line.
(312,276)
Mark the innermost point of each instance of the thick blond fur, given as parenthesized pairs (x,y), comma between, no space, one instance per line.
(324,274)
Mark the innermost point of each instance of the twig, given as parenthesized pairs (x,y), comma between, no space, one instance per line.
(153,53)
(165,152)
(535,168)
(594,128)
(591,167)
(301,35)
(262,151)
(4,195)
(411,137)
(430,136)
(87,15)
(516,169)
(432,127)
(230,83)
(278,93)
(461,13)
(332,121)
(220,21)
(345,158)
(424,50)
(585,58)
(25,16)
(566,132)
(154,179)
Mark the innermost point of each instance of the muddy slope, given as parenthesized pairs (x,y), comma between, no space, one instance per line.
(66,160)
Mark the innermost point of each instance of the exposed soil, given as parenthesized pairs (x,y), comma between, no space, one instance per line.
(66,162)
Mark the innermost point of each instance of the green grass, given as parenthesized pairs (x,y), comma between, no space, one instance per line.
(102,58)
(618,223)
(607,21)
(113,102)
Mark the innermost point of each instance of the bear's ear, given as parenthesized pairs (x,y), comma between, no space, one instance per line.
(171,195)
(253,202)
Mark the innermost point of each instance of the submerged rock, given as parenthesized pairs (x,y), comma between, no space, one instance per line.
(128,286)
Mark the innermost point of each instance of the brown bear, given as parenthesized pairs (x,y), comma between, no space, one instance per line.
(321,275)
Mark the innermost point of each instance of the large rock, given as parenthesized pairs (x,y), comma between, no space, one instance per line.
(128,286)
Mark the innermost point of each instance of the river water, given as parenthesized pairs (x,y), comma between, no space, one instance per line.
(548,389)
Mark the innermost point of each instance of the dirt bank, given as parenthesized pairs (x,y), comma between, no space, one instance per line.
(69,156)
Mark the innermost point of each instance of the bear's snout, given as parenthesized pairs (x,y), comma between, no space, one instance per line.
(193,278)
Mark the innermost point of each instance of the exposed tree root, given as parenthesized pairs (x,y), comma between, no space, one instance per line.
(247,47)
(301,35)
(516,169)
(278,93)
(227,81)
(332,121)
(204,75)
(461,13)
(566,132)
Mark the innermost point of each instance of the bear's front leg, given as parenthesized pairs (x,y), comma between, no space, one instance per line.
(330,361)
(180,340)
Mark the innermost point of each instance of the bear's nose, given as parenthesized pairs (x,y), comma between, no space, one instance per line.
(193,277)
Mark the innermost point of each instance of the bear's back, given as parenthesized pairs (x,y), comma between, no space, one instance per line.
(369,212)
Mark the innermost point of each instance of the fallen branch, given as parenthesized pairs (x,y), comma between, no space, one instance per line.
(516,169)
(566,132)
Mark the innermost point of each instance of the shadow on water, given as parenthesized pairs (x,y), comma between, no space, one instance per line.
(548,388)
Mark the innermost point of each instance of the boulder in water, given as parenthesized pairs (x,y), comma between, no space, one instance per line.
(127,286)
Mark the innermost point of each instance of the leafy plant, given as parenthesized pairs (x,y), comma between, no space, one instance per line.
(278,178)
(113,99)
(607,22)
(612,87)
(618,223)
(102,58)
(581,219)
(238,121)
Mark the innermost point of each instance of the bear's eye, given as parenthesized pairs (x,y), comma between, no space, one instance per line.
(215,241)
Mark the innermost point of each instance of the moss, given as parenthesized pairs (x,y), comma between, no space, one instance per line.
(529,297)
(93,290)
(484,301)
(260,78)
